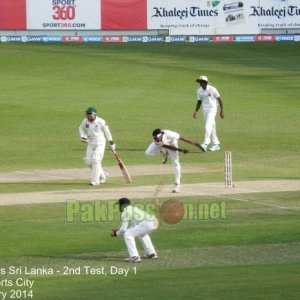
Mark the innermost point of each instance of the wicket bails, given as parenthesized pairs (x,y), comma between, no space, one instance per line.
(228,169)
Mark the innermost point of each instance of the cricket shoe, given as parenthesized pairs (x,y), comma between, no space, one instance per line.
(94,183)
(203,147)
(102,180)
(176,188)
(151,256)
(215,147)
(134,259)
(103,177)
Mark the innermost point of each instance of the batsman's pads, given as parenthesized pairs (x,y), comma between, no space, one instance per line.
(84,139)
(114,232)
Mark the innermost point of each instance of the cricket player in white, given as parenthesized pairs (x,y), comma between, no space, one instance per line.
(209,97)
(94,131)
(166,144)
(142,224)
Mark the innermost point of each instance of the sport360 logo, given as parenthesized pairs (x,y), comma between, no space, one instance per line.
(64,9)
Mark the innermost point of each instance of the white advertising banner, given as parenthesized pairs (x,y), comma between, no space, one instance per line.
(203,17)
(64,14)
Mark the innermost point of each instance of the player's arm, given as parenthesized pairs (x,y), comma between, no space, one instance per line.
(175,148)
(123,228)
(109,137)
(221,107)
(82,133)
(198,105)
(182,138)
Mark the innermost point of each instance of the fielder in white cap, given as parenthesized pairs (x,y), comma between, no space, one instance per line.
(94,131)
(210,98)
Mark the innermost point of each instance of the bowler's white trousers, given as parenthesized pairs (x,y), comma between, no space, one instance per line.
(155,149)
(210,126)
(141,231)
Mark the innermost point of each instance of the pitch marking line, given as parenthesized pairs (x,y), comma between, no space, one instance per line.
(43,175)
(244,200)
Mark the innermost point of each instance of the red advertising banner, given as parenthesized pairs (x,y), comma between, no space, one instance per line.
(13,15)
(222,39)
(265,38)
(124,14)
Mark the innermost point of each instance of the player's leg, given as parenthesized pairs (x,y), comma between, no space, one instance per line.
(209,125)
(88,159)
(149,249)
(153,149)
(145,228)
(99,154)
(96,165)
(177,169)
(129,238)
(214,138)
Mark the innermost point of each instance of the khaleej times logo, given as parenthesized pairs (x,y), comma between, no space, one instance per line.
(170,211)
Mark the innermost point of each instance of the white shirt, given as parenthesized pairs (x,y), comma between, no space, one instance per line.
(134,215)
(95,131)
(208,97)
(169,138)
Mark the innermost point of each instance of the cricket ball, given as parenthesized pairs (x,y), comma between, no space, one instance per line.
(171,212)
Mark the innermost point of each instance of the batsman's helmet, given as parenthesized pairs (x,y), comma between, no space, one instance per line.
(123,202)
(156,132)
(91,111)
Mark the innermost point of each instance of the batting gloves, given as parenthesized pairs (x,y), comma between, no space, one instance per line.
(112,147)
(114,232)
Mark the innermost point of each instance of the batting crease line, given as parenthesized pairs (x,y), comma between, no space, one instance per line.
(43,175)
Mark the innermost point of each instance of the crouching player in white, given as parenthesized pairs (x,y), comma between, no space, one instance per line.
(142,224)
(94,131)
(166,144)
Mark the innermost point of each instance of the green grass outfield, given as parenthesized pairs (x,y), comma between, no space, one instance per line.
(251,254)
(46,88)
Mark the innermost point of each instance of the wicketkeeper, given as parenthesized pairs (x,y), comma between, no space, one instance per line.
(142,224)
(94,131)
(166,144)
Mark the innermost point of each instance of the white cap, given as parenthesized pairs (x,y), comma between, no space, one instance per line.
(202,78)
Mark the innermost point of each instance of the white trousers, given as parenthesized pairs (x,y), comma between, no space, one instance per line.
(93,158)
(141,231)
(155,149)
(210,127)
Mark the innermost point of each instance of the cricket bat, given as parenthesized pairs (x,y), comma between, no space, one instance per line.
(122,167)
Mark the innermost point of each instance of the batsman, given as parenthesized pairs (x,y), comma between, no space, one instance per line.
(94,131)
